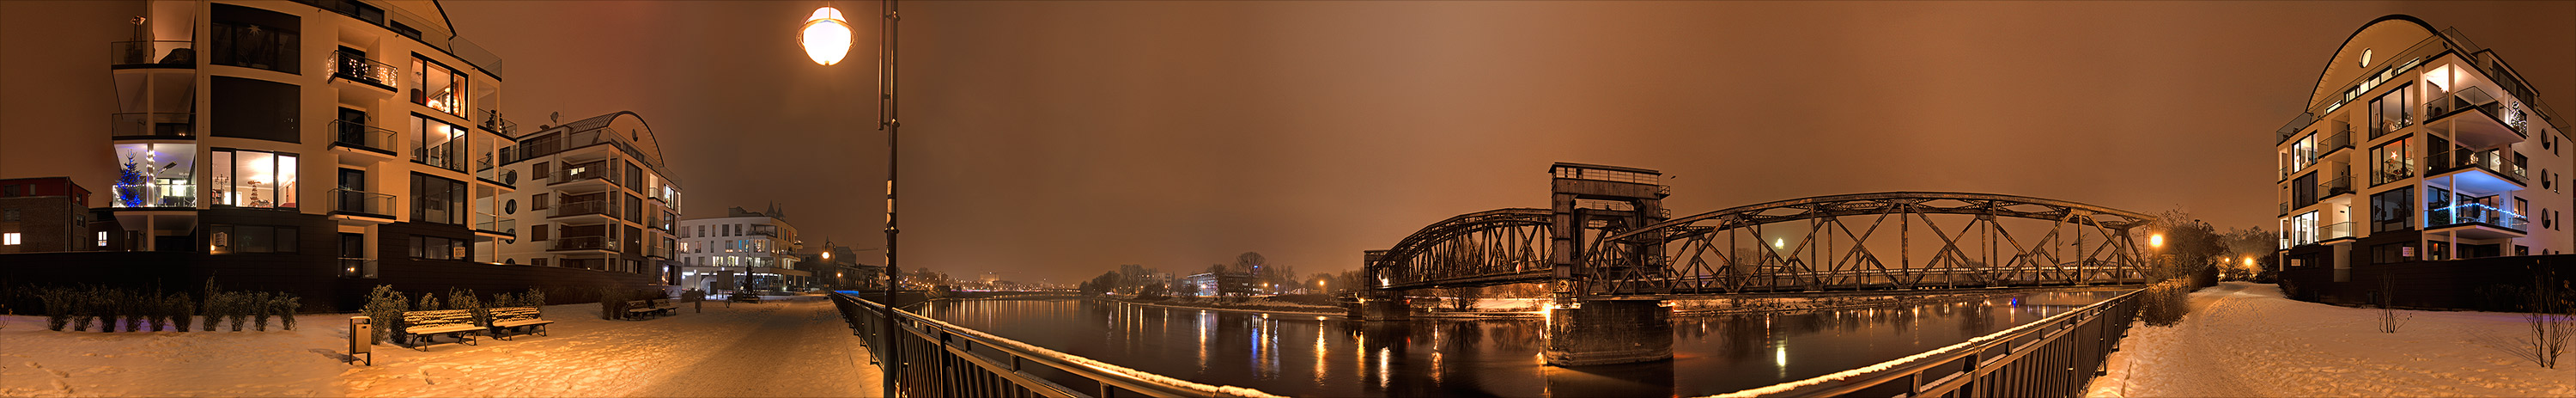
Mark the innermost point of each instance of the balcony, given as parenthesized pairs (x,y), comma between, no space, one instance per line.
(158,125)
(357,68)
(490,120)
(2340,140)
(2476,221)
(443,155)
(2332,232)
(152,54)
(2479,173)
(765,230)
(584,243)
(583,178)
(585,210)
(496,226)
(2476,119)
(360,137)
(2331,183)
(361,205)
(357,267)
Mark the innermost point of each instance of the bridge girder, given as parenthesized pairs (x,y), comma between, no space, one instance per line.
(1476,249)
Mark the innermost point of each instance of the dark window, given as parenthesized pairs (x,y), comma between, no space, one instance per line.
(2520,250)
(253,108)
(2390,112)
(540,261)
(2390,211)
(2303,192)
(243,239)
(634,208)
(538,233)
(437,248)
(437,200)
(12,215)
(538,202)
(538,171)
(2388,253)
(254,38)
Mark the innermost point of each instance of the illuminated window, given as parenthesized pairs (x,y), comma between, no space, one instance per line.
(10,239)
(102,238)
(245,178)
(437,87)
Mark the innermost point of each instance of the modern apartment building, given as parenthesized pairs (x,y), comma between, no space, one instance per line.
(598,198)
(224,106)
(2419,145)
(743,250)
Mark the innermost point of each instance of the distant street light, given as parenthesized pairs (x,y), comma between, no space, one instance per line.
(827,38)
(2157,241)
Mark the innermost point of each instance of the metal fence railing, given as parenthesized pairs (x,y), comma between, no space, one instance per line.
(2052,357)
(936,359)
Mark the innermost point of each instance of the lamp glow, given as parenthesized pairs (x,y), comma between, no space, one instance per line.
(826,36)
(2158,240)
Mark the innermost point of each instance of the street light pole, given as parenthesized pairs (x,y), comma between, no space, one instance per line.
(826,38)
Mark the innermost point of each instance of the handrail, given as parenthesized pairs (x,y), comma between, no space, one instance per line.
(964,367)
(1971,368)
(359,68)
(152,54)
(360,135)
(154,124)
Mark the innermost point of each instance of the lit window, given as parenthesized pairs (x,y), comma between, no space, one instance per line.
(102,238)
(10,239)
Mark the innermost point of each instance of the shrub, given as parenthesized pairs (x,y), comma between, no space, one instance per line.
(236,308)
(535,298)
(158,305)
(261,306)
(58,306)
(384,308)
(82,306)
(463,299)
(182,309)
(214,298)
(287,303)
(2165,303)
(612,301)
(109,307)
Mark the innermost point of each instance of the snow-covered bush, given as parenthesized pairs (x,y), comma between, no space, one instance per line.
(2165,303)
(463,299)
(384,308)
(535,298)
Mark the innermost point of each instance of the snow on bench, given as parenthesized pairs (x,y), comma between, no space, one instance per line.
(646,307)
(420,326)
(522,319)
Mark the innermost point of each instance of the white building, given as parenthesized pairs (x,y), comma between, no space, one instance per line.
(743,250)
(2418,145)
(598,198)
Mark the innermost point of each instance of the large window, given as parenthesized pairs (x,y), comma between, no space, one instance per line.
(437,200)
(254,108)
(441,144)
(2390,163)
(2390,112)
(241,239)
(2391,211)
(254,38)
(437,248)
(2303,228)
(2437,206)
(156,175)
(2389,253)
(245,178)
(436,86)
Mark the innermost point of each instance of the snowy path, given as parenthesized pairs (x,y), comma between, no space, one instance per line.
(2246,340)
(790,347)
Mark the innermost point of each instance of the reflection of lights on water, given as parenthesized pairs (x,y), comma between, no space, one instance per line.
(1382,372)
(1780,355)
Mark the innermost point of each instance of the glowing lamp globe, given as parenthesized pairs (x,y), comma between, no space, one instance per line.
(826,36)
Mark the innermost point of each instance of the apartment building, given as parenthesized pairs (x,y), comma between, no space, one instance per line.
(598,198)
(744,250)
(48,214)
(224,106)
(2419,145)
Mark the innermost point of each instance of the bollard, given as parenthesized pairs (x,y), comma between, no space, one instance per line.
(360,334)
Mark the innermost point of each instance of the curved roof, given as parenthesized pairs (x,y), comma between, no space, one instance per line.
(632,129)
(2384,38)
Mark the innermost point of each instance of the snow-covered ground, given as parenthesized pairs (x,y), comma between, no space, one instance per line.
(2244,339)
(786,347)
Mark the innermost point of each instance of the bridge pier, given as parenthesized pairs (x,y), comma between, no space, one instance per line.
(1382,306)
(1603,332)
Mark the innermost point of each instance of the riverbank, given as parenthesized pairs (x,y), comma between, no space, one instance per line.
(2245,339)
(1266,307)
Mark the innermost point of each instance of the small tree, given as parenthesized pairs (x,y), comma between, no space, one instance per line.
(236,308)
(384,309)
(183,309)
(84,307)
(535,298)
(261,306)
(463,299)
(287,304)
(58,306)
(2389,319)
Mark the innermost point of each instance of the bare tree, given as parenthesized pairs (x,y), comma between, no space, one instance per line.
(2550,324)
(2389,319)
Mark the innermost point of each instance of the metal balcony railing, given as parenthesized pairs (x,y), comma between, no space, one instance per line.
(581,172)
(152,54)
(153,125)
(2339,140)
(348,201)
(2335,231)
(585,243)
(362,136)
(496,224)
(2330,184)
(358,68)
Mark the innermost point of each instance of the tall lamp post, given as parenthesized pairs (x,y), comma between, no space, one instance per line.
(826,38)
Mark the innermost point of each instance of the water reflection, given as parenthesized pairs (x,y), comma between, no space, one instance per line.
(1712,353)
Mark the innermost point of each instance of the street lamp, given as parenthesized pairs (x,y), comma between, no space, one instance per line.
(826,38)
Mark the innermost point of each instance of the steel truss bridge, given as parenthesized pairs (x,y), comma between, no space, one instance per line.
(1856,242)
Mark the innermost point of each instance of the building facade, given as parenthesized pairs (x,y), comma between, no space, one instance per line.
(46,215)
(598,198)
(744,250)
(2417,145)
(224,107)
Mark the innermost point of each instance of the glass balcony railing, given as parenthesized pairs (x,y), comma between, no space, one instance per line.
(585,243)
(348,201)
(358,68)
(2477,99)
(581,172)
(362,136)
(492,223)
(2334,231)
(2340,140)
(152,54)
(166,194)
(2497,161)
(586,207)
(2330,184)
(153,125)
(2475,213)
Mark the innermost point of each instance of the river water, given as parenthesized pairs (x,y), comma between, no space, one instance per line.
(1307,357)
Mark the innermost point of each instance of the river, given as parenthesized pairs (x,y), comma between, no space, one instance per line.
(1307,357)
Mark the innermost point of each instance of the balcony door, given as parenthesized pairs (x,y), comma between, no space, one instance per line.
(353,127)
(352,183)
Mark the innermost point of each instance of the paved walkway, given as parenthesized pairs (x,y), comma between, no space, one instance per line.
(799,348)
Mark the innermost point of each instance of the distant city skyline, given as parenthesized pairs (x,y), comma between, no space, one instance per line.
(1059,140)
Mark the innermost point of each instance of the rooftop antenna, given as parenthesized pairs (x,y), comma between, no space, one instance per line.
(556,118)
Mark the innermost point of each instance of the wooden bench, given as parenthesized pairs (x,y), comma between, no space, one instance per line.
(521,319)
(639,308)
(419,326)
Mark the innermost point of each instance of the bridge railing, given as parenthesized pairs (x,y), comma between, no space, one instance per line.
(943,360)
(2052,357)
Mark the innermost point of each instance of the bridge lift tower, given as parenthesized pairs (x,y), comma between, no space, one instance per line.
(1590,202)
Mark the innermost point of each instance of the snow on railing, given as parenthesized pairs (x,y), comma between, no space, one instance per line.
(1102,372)
(1896,371)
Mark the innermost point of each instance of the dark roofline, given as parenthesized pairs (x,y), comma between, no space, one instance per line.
(1552,168)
